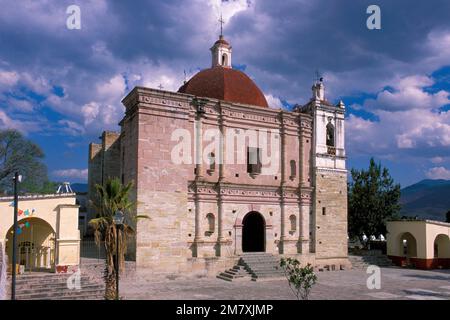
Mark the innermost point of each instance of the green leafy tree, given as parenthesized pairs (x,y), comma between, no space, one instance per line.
(47,187)
(113,196)
(300,279)
(22,155)
(373,198)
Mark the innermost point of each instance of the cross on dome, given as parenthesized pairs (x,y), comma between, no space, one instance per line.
(221,21)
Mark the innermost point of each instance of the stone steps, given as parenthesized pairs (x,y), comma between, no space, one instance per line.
(84,294)
(261,266)
(362,262)
(48,282)
(255,267)
(57,287)
(235,274)
(50,286)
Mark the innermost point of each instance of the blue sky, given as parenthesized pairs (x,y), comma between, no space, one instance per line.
(62,87)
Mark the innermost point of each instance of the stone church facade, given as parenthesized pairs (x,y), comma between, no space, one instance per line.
(209,208)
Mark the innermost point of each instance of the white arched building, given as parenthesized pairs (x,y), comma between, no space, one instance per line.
(424,244)
(48,238)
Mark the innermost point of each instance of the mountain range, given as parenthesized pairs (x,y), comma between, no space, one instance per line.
(79,187)
(427,199)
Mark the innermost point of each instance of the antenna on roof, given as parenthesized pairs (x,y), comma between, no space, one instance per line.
(185,77)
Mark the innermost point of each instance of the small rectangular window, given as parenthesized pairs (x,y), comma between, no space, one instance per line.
(324,211)
(254,164)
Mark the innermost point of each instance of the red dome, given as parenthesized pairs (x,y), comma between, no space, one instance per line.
(225,84)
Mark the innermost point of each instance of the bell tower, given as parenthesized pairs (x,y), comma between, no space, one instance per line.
(329,177)
(329,133)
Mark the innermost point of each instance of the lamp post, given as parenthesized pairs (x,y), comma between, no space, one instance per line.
(118,221)
(17,179)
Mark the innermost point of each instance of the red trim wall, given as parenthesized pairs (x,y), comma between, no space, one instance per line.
(425,264)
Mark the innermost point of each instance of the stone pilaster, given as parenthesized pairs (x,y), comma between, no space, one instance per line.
(304,228)
(197,235)
(283,237)
(223,146)
(198,148)
(220,237)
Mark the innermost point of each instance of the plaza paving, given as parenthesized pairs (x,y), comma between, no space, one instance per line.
(396,283)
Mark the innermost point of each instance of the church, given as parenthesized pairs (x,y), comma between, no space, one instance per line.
(221,174)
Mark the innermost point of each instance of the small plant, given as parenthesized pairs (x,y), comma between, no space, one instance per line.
(301,279)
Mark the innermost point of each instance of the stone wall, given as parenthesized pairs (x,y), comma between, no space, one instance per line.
(330,214)
(161,190)
(94,175)
(111,155)
(103,163)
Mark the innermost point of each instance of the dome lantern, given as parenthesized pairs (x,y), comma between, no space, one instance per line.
(221,53)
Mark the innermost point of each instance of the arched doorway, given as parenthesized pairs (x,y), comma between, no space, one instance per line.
(253,233)
(442,246)
(35,244)
(408,245)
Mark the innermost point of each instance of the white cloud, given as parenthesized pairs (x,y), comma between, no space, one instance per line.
(418,129)
(90,112)
(49,16)
(71,127)
(21,105)
(273,102)
(37,83)
(438,45)
(24,126)
(98,116)
(407,124)
(71,173)
(110,115)
(8,78)
(228,9)
(437,160)
(438,173)
(409,94)
(112,90)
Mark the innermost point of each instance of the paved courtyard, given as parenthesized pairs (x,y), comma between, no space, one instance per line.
(396,283)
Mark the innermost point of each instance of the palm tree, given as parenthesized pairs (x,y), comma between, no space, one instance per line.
(113,196)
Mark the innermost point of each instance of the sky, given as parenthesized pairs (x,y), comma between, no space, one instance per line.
(62,87)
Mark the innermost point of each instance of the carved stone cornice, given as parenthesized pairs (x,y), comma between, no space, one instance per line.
(226,192)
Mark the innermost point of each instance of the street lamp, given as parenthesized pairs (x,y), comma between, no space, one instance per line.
(17,178)
(118,221)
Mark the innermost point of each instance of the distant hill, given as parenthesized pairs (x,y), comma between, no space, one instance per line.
(427,199)
(79,187)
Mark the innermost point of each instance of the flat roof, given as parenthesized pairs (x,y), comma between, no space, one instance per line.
(441,223)
(39,196)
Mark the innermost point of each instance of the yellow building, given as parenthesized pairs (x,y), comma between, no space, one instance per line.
(48,238)
(424,244)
